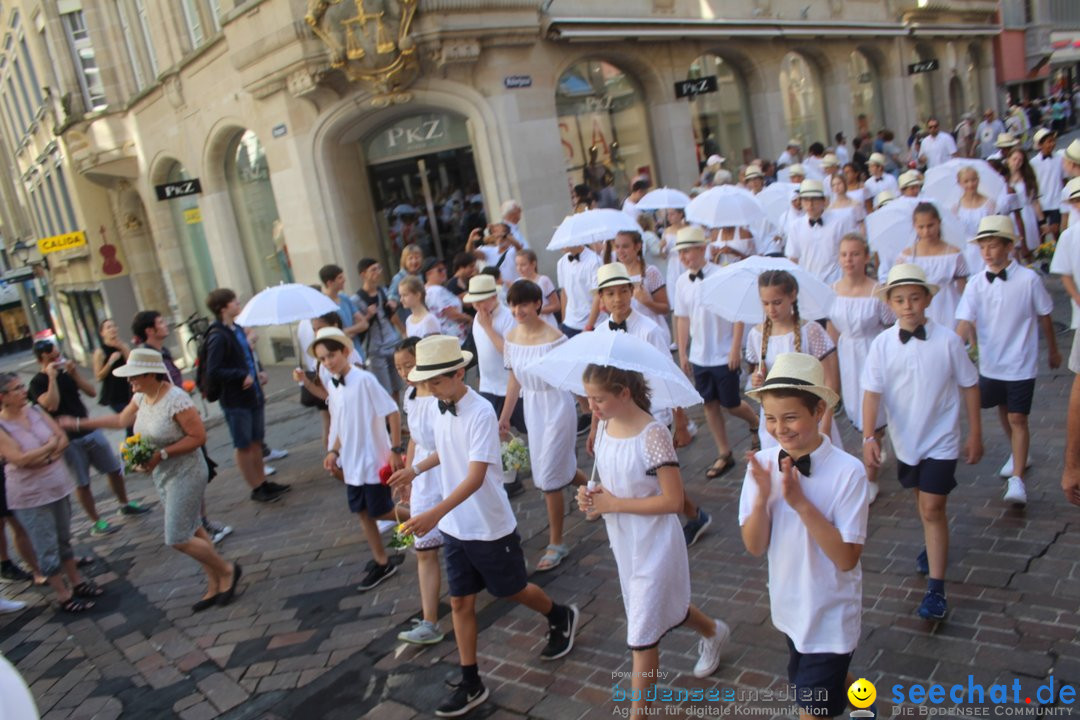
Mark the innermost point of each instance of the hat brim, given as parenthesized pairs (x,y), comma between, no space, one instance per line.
(477,297)
(612,282)
(812,195)
(344,340)
(686,245)
(1011,237)
(827,394)
(125,371)
(419,375)
(882,293)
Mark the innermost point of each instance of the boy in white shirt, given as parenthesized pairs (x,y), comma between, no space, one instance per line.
(879,180)
(574,274)
(1050,172)
(814,240)
(1066,262)
(709,348)
(916,367)
(805,503)
(1001,309)
(360,410)
(493,320)
(481,545)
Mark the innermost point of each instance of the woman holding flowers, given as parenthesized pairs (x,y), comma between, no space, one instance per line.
(168,435)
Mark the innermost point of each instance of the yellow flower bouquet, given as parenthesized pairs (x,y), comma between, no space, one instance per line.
(135,452)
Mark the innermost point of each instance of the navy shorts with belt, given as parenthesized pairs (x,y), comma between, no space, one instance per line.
(497,566)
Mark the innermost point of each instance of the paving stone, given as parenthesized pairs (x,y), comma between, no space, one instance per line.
(222,691)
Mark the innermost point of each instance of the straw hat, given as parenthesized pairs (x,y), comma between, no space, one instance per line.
(689,236)
(830,160)
(481,287)
(753,171)
(797,371)
(612,274)
(904,274)
(1073,151)
(910,179)
(811,189)
(1072,189)
(995,226)
(1040,135)
(437,355)
(794,143)
(877,159)
(331,333)
(1006,140)
(142,361)
(884,198)
(796,169)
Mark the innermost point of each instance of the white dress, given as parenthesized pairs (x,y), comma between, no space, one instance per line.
(943,271)
(650,550)
(969,219)
(859,320)
(422,328)
(1009,203)
(420,413)
(848,218)
(551,415)
(815,341)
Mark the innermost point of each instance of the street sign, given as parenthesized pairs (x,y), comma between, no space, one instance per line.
(517,81)
(700,86)
(177,189)
(57,243)
(922,67)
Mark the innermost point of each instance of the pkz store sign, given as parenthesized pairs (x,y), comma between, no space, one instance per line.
(698,86)
(417,135)
(178,189)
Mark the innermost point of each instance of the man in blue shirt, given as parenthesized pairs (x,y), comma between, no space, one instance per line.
(353,322)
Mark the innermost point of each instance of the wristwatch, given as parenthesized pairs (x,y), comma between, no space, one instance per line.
(164,454)
(399,449)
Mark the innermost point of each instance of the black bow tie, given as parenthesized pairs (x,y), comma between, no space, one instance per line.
(993,276)
(617,325)
(801,464)
(338,382)
(699,275)
(918,333)
(819,221)
(448,407)
(574,256)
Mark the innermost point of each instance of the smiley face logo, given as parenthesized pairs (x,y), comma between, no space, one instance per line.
(862,693)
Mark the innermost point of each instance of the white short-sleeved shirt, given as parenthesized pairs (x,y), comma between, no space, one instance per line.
(874,186)
(305,335)
(710,334)
(359,408)
(816,248)
(438,300)
(828,614)
(508,268)
(937,150)
(1006,316)
(422,328)
(645,329)
(919,381)
(1067,262)
(1050,174)
(473,436)
(576,278)
(493,372)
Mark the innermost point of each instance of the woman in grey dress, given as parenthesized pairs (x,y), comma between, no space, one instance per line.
(164,415)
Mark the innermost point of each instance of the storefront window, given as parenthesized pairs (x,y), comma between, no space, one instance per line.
(261,233)
(801,91)
(604,130)
(721,119)
(187,219)
(865,93)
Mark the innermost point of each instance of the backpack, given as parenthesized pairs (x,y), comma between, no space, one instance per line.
(210,390)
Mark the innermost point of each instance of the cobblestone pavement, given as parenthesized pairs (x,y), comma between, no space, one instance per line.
(301,642)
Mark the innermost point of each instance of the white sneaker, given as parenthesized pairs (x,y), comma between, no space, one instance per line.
(874,490)
(275,455)
(709,650)
(268,471)
(10,606)
(1007,470)
(1015,492)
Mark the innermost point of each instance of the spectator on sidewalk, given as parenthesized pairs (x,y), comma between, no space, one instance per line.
(384,331)
(115,393)
(333,280)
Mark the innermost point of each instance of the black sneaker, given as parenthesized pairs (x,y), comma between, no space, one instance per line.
(376,573)
(278,488)
(133,508)
(462,700)
(264,494)
(10,572)
(561,636)
(695,528)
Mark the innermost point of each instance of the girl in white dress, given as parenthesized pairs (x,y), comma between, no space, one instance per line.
(782,332)
(650,292)
(526,263)
(1022,191)
(972,207)
(944,264)
(639,495)
(551,413)
(849,213)
(420,322)
(421,408)
(730,245)
(855,319)
(676,220)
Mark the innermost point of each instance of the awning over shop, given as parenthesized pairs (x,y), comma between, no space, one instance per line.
(1065,48)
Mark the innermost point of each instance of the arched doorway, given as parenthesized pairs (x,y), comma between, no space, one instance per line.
(191,238)
(721,119)
(866,95)
(604,129)
(800,89)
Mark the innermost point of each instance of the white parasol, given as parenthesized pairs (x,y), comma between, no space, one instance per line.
(733,293)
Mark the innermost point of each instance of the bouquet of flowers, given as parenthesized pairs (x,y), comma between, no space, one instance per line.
(135,452)
(401,539)
(1045,252)
(515,455)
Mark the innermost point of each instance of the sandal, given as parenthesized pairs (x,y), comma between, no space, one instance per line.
(87,589)
(75,606)
(721,466)
(552,557)
(755,439)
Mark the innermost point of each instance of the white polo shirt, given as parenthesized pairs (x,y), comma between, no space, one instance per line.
(359,408)
(1067,262)
(472,436)
(493,372)
(576,278)
(1050,173)
(816,248)
(1006,316)
(710,334)
(827,616)
(874,186)
(919,382)
(645,329)
(937,150)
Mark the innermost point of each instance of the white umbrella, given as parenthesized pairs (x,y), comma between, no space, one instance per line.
(564,366)
(892,228)
(591,226)
(942,185)
(725,206)
(776,199)
(663,198)
(285,304)
(733,293)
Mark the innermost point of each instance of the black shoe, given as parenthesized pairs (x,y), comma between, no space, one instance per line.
(462,700)
(226,596)
(376,573)
(265,494)
(205,604)
(279,489)
(561,636)
(133,508)
(10,572)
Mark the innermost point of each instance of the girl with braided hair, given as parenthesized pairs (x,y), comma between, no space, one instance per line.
(782,332)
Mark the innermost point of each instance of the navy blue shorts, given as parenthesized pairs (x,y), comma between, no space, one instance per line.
(1015,395)
(820,680)
(718,383)
(569,331)
(937,477)
(4,511)
(247,426)
(517,418)
(375,500)
(497,566)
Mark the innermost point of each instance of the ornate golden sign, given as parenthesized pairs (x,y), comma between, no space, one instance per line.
(368,39)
